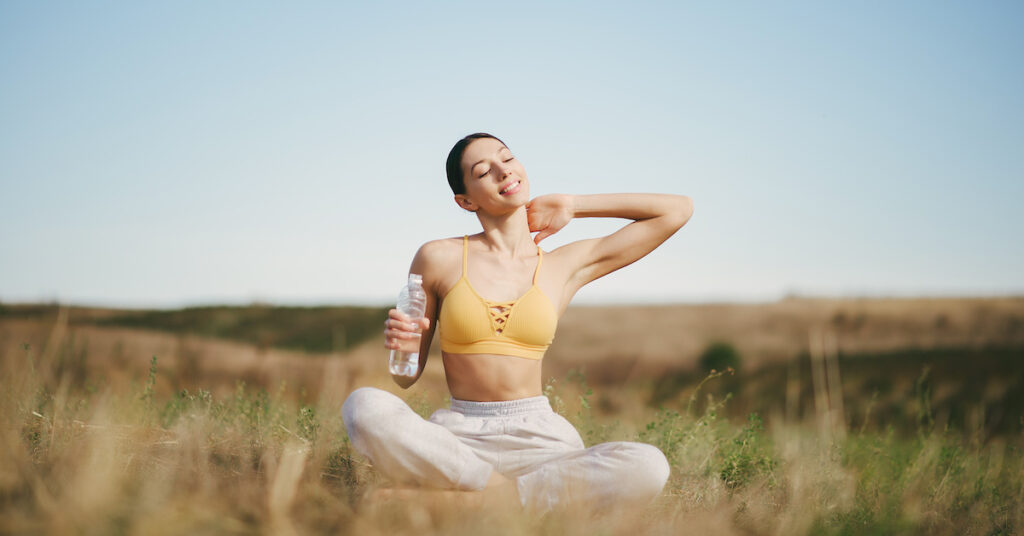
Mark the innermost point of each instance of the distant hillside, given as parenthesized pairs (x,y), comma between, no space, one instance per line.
(310,329)
(656,337)
(660,337)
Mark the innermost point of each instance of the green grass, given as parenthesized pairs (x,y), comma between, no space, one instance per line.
(79,456)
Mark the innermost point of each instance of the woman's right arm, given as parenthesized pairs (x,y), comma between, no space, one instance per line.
(400,332)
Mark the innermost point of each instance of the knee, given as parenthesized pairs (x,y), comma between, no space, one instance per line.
(365,409)
(649,471)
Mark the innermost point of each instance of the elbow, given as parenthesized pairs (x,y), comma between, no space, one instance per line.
(682,210)
(404,382)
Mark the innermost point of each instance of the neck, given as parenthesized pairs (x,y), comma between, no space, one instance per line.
(508,233)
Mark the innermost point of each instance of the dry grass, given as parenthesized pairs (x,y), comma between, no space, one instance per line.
(92,442)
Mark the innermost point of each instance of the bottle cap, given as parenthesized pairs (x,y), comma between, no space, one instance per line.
(415,278)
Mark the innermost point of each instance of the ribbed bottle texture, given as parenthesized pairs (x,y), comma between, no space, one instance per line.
(413,302)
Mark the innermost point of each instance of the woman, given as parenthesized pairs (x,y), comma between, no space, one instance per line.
(496,298)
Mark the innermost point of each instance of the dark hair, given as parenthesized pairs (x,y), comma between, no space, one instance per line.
(454,164)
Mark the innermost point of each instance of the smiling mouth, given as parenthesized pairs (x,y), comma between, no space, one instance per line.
(514,185)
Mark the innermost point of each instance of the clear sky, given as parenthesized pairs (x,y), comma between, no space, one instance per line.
(180,153)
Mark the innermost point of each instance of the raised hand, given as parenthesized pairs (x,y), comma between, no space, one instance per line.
(547,214)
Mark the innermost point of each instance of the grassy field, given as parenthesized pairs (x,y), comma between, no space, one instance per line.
(108,428)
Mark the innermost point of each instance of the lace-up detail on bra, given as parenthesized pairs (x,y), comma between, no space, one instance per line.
(470,324)
(499,312)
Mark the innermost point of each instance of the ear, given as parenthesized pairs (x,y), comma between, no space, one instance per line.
(465,202)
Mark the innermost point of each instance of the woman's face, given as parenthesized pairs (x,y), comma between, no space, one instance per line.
(494,178)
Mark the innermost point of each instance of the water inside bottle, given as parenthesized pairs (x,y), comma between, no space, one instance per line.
(403,363)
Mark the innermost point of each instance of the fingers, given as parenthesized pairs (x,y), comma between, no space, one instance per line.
(406,324)
(405,330)
(544,233)
(534,222)
(537,224)
(398,315)
(402,333)
(399,327)
(393,339)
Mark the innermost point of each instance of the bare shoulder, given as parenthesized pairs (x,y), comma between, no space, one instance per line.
(437,261)
(440,250)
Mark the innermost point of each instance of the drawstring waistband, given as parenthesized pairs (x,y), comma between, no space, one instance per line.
(522,406)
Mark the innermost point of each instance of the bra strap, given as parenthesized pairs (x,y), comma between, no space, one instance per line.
(540,257)
(465,254)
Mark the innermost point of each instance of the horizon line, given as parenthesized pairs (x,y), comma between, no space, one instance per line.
(706,300)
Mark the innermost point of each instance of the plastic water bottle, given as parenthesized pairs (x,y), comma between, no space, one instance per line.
(413,302)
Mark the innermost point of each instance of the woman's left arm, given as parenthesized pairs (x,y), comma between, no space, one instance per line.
(656,217)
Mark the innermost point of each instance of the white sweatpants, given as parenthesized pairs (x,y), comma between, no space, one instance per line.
(524,439)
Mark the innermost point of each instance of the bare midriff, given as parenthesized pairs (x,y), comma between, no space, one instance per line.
(490,378)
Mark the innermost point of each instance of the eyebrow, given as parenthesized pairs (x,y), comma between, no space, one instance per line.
(481,161)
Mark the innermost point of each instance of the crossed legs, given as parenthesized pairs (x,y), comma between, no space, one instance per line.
(549,465)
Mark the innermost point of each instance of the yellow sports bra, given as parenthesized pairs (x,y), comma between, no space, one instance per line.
(469,324)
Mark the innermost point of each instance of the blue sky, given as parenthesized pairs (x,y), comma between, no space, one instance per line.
(198,152)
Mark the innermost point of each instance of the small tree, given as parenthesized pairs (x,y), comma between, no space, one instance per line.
(719,356)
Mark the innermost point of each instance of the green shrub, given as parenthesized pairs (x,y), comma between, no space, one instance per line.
(748,456)
(719,356)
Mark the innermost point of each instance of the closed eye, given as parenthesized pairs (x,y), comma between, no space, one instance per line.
(486,171)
